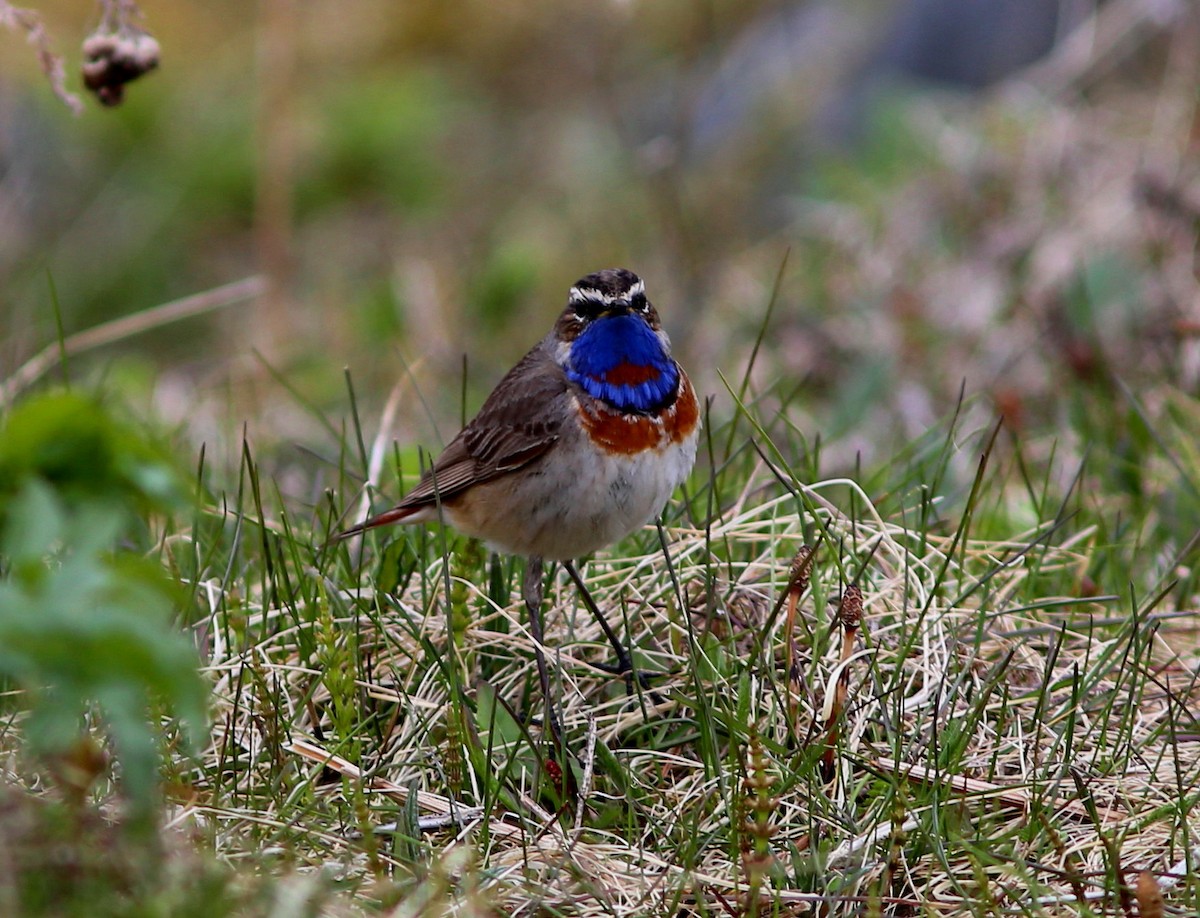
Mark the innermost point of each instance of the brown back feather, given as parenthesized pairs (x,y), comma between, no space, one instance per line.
(515,426)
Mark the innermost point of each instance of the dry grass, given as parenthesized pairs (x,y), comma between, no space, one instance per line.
(1019,736)
(1005,750)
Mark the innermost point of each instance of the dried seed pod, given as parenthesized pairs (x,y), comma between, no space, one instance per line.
(800,569)
(850,609)
(112,59)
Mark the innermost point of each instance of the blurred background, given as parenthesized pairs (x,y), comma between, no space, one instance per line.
(991,198)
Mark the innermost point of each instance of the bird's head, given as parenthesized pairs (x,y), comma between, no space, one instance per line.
(612,344)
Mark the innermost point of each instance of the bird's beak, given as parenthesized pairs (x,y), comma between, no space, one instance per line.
(619,308)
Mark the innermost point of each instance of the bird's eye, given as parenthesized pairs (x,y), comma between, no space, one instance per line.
(639,302)
(585,305)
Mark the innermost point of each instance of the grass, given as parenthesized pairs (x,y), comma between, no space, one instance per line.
(1015,738)
(1009,747)
(1008,729)
(1007,725)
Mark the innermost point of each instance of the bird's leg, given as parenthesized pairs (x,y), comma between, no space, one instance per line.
(624,665)
(532,592)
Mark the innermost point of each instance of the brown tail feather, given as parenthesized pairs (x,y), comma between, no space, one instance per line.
(395,515)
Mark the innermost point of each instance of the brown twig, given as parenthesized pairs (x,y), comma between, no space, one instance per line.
(436,804)
(278,38)
(29,22)
(1012,797)
(125,327)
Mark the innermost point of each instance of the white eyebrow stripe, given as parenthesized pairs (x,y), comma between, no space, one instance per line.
(587,293)
(590,294)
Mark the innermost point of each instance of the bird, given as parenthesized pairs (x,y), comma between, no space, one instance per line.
(580,444)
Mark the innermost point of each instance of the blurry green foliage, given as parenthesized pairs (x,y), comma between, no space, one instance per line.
(383,311)
(76,447)
(193,164)
(1105,280)
(504,283)
(380,139)
(83,619)
(61,863)
(892,151)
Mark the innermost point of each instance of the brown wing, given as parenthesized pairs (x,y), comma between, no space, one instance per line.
(519,422)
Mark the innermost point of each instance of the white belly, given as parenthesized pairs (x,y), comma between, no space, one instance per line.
(576,504)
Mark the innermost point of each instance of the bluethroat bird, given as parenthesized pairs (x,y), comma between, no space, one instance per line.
(580,444)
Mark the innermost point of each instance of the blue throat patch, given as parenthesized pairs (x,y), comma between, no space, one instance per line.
(620,361)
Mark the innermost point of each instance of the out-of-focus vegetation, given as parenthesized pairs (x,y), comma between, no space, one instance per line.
(86,623)
(451,168)
(421,181)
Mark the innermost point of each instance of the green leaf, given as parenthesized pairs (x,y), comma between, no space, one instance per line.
(33,523)
(84,622)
